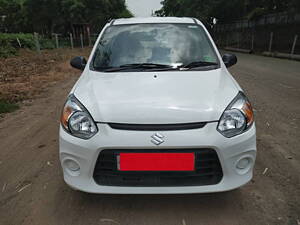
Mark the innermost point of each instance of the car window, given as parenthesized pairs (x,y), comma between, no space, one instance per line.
(170,44)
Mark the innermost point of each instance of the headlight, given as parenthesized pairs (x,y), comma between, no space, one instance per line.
(76,120)
(237,118)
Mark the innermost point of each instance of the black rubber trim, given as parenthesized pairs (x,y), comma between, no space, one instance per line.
(157,127)
(195,21)
(112,22)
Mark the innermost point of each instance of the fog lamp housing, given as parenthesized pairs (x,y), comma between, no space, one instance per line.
(72,167)
(244,164)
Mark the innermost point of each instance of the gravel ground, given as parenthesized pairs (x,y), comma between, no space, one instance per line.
(32,190)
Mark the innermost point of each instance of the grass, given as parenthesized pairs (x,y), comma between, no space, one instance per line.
(6,107)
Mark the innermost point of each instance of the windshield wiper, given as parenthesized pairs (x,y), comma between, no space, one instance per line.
(146,65)
(198,64)
(138,66)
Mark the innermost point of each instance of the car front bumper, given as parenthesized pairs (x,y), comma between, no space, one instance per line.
(229,150)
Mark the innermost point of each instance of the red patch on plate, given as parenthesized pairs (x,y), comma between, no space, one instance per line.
(157,162)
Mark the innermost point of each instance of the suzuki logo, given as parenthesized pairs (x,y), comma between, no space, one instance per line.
(157,139)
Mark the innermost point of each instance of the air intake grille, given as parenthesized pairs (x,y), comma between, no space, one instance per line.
(208,171)
(157,127)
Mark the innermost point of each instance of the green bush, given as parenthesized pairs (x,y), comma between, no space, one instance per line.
(26,40)
(7,50)
(9,44)
(46,43)
(6,107)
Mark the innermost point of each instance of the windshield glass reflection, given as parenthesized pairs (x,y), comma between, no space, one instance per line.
(168,44)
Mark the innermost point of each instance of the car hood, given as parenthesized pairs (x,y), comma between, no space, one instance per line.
(156,97)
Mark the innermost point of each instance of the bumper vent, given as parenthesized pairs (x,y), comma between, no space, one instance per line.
(208,171)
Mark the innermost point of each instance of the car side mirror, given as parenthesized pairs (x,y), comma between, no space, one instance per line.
(79,62)
(229,60)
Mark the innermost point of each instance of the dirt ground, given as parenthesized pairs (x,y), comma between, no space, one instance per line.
(32,190)
(26,76)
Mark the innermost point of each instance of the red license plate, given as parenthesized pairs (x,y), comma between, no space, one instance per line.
(157,162)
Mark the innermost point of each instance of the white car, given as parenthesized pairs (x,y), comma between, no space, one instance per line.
(156,111)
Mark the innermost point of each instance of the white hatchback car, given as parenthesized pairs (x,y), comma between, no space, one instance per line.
(156,111)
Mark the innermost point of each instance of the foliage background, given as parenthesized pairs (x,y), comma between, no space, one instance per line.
(48,16)
(226,11)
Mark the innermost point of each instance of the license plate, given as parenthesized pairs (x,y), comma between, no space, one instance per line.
(157,161)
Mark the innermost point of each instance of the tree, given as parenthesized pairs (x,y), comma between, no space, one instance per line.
(94,12)
(225,11)
(48,16)
(13,15)
(43,15)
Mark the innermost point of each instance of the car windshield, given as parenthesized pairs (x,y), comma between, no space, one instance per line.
(154,46)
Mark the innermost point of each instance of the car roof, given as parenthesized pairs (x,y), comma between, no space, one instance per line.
(137,20)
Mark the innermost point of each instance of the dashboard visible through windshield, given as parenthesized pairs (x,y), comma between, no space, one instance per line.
(144,47)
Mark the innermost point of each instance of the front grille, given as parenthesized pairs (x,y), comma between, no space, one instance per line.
(208,170)
(157,127)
